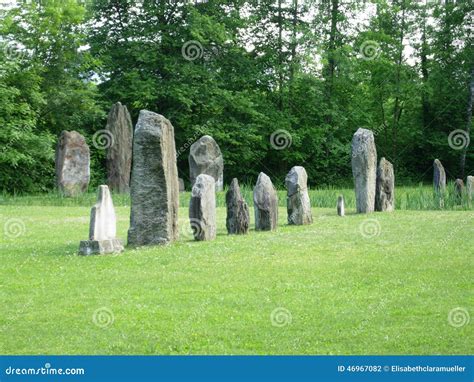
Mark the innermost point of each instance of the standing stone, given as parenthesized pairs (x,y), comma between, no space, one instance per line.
(119,151)
(364,168)
(154,183)
(298,204)
(340,206)
(181,185)
(205,157)
(102,229)
(202,208)
(470,187)
(439,177)
(458,190)
(385,187)
(265,200)
(72,163)
(238,218)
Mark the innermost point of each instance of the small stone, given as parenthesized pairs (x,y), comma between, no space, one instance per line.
(202,208)
(72,163)
(470,187)
(458,190)
(102,229)
(238,218)
(385,187)
(119,150)
(340,205)
(154,189)
(265,200)
(364,168)
(439,177)
(181,185)
(205,157)
(298,203)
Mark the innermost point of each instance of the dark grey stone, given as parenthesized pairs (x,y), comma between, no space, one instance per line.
(205,157)
(238,217)
(202,208)
(364,168)
(340,206)
(298,203)
(154,183)
(265,200)
(439,177)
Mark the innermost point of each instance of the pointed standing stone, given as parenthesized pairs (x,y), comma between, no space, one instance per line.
(439,177)
(364,167)
(205,157)
(102,229)
(385,187)
(470,187)
(265,200)
(72,164)
(119,152)
(340,206)
(238,217)
(154,185)
(202,208)
(298,203)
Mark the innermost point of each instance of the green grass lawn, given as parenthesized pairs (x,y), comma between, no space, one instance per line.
(320,289)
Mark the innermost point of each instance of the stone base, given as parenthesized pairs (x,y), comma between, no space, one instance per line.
(100,247)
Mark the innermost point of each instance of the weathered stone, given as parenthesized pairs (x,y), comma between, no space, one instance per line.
(119,150)
(238,218)
(470,187)
(340,206)
(181,185)
(154,183)
(439,177)
(102,229)
(202,208)
(205,157)
(385,187)
(72,163)
(458,190)
(298,203)
(364,168)
(265,200)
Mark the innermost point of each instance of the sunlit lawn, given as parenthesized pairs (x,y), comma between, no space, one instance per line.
(332,289)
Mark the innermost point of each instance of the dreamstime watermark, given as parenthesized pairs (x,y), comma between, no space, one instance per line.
(458,317)
(14,228)
(370,50)
(280,317)
(192,229)
(281,139)
(190,141)
(13,51)
(192,50)
(103,317)
(103,139)
(370,228)
(458,139)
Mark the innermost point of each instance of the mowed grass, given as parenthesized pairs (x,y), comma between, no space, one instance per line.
(332,289)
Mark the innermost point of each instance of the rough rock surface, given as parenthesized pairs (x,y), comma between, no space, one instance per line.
(470,187)
(205,157)
(119,152)
(364,168)
(265,201)
(340,206)
(181,185)
(72,163)
(298,203)
(238,217)
(385,187)
(439,176)
(202,208)
(154,182)
(102,229)
(459,189)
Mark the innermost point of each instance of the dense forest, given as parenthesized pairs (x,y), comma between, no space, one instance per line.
(277,83)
